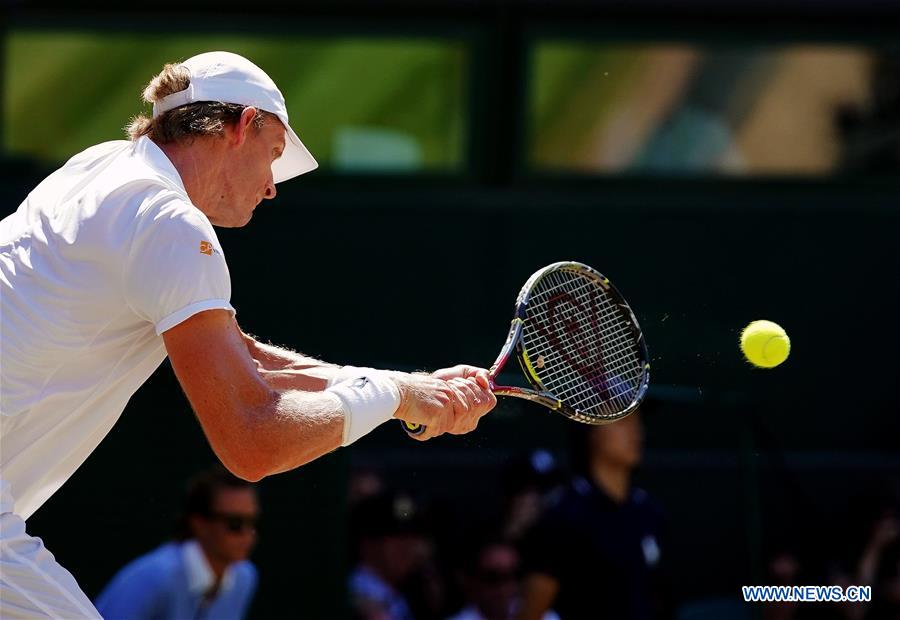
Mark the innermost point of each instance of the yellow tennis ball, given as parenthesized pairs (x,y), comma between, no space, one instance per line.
(765,344)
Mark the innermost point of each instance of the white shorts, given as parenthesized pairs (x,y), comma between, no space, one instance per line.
(32,583)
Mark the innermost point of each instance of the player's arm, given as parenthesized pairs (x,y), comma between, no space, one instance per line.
(285,369)
(258,429)
(271,357)
(255,430)
(538,595)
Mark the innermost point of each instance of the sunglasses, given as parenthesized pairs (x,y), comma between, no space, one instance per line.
(236,523)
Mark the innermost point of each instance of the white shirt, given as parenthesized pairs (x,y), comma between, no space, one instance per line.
(200,575)
(101,258)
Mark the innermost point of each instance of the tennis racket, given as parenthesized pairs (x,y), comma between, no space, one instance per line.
(579,345)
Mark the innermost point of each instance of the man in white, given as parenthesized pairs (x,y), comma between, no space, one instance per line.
(111,264)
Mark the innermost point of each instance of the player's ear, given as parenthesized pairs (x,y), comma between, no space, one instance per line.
(244,125)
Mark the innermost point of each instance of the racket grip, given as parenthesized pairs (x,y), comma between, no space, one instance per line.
(413,429)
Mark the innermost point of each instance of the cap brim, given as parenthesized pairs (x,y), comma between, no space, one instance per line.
(295,160)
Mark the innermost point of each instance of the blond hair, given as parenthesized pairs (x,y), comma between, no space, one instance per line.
(202,118)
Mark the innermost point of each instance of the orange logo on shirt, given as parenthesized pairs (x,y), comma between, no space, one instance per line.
(206,248)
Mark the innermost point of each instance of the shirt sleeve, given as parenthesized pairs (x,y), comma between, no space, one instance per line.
(247,589)
(175,267)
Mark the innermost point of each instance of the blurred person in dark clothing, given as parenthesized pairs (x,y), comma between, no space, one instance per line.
(783,569)
(204,573)
(526,482)
(391,547)
(871,134)
(879,566)
(598,551)
(492,582)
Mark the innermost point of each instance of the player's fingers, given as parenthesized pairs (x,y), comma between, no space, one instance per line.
(450,405)
(476,398)
(461,398)
(484,402)
(475,372)
(453,372)
(462,371)
(458,413)
(482,376)
(440,407)
(466,387)
(431,414)
(484,397)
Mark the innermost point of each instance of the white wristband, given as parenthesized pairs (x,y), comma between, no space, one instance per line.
(349,372)
(370,397)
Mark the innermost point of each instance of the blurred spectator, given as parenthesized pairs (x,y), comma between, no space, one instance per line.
(879,566)
(526,482)
(597,553)
(391,547)
(426,589)
(204,573)
(364,483)
(871,133)
(492,582)
(782,570)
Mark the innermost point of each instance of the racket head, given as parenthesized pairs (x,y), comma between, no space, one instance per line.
(579,345)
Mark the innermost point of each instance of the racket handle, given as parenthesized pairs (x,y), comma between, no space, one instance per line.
(413,429)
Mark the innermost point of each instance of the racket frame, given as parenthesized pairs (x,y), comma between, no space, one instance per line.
(539,393)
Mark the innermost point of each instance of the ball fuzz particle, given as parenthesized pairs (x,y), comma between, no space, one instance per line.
(765,344)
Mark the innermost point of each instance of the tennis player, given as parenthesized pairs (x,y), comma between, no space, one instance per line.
(112,263)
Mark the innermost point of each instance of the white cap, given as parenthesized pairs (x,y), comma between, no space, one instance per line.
(229,78)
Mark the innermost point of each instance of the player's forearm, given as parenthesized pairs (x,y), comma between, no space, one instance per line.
(345,412)
(283,369)
(290,427)
(288,430)
(302,427)
(271,357)
(309,375)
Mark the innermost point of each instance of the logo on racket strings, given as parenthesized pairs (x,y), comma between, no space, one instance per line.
(566,334)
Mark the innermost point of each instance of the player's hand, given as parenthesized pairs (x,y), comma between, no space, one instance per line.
(477,386)
(479,401)
(428,401)
(440,405)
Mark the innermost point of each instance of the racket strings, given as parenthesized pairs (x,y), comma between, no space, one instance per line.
(611,390)
(583,343)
